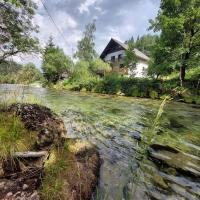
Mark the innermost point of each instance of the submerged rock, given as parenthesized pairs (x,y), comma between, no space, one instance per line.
(171,157)
(135,135)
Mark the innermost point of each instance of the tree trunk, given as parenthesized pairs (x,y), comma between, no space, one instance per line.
(182,75)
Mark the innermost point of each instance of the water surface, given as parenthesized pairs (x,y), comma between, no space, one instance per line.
(115,125)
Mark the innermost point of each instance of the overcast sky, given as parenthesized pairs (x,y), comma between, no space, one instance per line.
(119,19)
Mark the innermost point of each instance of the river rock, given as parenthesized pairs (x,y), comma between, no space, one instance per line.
(171,157)
(135,135)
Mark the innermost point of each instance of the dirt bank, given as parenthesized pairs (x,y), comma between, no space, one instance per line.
(54,167)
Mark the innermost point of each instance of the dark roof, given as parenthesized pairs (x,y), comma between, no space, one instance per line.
(113,42)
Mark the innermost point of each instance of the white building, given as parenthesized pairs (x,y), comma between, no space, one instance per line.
(114,54)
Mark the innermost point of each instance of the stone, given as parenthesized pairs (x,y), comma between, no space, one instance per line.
(171,157)
(135,135)
(9,194)
(25,186)
(34,196)
(2,184)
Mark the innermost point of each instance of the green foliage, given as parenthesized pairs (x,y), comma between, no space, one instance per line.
(29,74)
(158,65)
(144,43)
(11,72)
(98,66)
(56,167)
(130,59)
(110,84)
(9,68)
(55,62)
(81,73)
(13,135)
(178,46)
(16,28)
(86,45)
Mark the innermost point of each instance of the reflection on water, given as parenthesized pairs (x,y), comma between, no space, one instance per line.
(116,125)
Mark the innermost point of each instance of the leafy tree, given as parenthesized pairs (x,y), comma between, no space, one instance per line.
(130,58)
(85,48)
(81,73)
(55,62)
(146,43)
(179,25)
(16,27)
(29,74)
(8,67)
(9,71)
(100,67)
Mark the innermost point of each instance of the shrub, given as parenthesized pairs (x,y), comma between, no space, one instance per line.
(110,84)
(99,67)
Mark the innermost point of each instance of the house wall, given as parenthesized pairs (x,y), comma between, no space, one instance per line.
(141,69)
(141,66)
(116,54)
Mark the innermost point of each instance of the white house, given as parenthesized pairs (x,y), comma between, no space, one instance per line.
(114,54)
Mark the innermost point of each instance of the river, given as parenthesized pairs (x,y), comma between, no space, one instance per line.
(115,125)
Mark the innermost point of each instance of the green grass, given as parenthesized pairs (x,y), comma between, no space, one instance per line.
(55,168)
(13,135)
(191,74)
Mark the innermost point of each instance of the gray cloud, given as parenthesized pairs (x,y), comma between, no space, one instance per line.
(114,18)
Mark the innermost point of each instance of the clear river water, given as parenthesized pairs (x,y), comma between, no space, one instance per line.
(116,125)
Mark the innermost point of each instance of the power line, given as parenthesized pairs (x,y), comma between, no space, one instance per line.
(58,29)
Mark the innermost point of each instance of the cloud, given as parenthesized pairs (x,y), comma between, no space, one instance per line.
(84,7)
(119,19)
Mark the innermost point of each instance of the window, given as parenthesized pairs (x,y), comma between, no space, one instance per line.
(119,57)
(112,58)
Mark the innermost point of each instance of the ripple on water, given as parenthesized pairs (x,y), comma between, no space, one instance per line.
(116,126)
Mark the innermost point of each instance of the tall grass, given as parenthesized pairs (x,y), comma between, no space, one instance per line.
(13,136)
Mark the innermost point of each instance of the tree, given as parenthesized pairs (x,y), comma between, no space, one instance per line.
(178,22)
(16,27)
(55,62)
(85,47)
(130,58)
(100,67)
(29,74)
(144,43)
(8,67)
(81,73)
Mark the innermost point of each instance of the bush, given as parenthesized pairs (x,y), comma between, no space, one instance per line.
(110,84)
(100,67)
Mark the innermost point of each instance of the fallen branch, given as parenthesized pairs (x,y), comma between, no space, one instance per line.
(30,154)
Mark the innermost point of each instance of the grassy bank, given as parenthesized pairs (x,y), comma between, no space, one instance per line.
(115,84)
(13,135)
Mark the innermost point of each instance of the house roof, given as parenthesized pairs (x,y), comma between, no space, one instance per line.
(113,41)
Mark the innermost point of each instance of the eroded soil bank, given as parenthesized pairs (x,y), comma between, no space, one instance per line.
(53,166)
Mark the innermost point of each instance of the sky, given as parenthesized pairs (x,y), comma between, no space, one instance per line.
(119,19)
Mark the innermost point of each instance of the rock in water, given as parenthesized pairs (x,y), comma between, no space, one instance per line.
(168,156)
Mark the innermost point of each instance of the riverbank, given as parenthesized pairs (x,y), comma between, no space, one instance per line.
(116,124)
(137,87)
(38,161)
